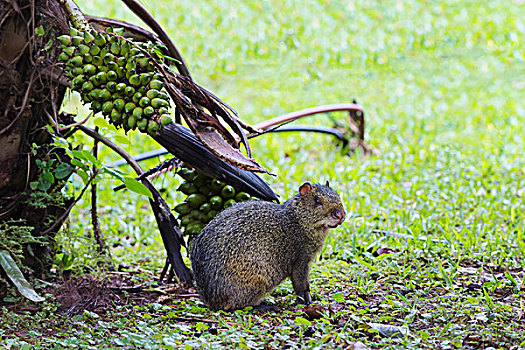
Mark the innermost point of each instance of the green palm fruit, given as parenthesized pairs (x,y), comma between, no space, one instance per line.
(153,127)
(77,61)
(142,125)
(77,40)
(187,174)
(211,214)
(115,116)
(143,90)
(100,41)
(119,104)
(229,203)
(183,208)
(157,103)
(216,202)
(156,84)
(88,37)
(118,31)
(228,192)
(195,200)
(136,97)
(64,39)
(200,180)
(144,102)
(121,87)
(148,111)
(88,58)
(145,79)
(164,96)
(205,207)
(129,91)
(70,51)
(130,72)
(152,93)
(112,75)
(143,62)
(87,86)
(109,57)
(98,61)
(83,49)
(93,80)
(121,61)
(101,78)
(107,107)
(112,66)
(77,71)
(242,197)
(165,119)
(73,31)
(63,57)
(134,80)
(104,95)
(121,72)
(132,122)
(129,107)
(205,190)
(185,220)
(188,188)
(94,50)
(124,48)
(93,94)
(77,82)
(137,113)
(115,48)
(90,70)
(96,106)
(111,86)
(194,229)
(116,95)
(195,213)
(104,51)
(216,185)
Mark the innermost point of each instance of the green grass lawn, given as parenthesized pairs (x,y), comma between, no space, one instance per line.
(434,240)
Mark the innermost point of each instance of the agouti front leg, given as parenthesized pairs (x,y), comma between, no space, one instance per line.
(301,283)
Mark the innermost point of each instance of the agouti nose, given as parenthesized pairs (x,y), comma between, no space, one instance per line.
(339,214)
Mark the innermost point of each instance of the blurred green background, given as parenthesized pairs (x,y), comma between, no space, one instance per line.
(441,82)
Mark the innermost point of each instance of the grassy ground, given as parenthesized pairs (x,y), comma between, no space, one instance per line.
(434,241)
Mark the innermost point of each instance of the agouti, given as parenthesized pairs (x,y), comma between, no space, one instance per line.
(250,248)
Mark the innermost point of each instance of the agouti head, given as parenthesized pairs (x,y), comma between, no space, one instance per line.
(319,205)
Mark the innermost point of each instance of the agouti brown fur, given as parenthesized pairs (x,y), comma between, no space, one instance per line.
(250,248)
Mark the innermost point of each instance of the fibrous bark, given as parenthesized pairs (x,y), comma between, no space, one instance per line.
(30,97)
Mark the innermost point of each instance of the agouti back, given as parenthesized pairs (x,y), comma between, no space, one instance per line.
(250,248)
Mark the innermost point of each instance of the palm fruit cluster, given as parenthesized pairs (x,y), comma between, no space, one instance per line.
(118,77)
(205,198)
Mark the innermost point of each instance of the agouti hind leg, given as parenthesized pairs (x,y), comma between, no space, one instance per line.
(240,295)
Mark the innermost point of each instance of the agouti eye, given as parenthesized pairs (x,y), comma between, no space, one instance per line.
(317,201)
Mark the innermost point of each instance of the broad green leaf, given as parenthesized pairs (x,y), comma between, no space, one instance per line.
(39,31)
(63,170)
(303,321)
(121,139)
(15,275)
(137,187)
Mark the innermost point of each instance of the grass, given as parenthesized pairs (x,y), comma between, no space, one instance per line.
(442,84)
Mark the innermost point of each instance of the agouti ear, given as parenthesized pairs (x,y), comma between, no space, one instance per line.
(305,188)
(327,183)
